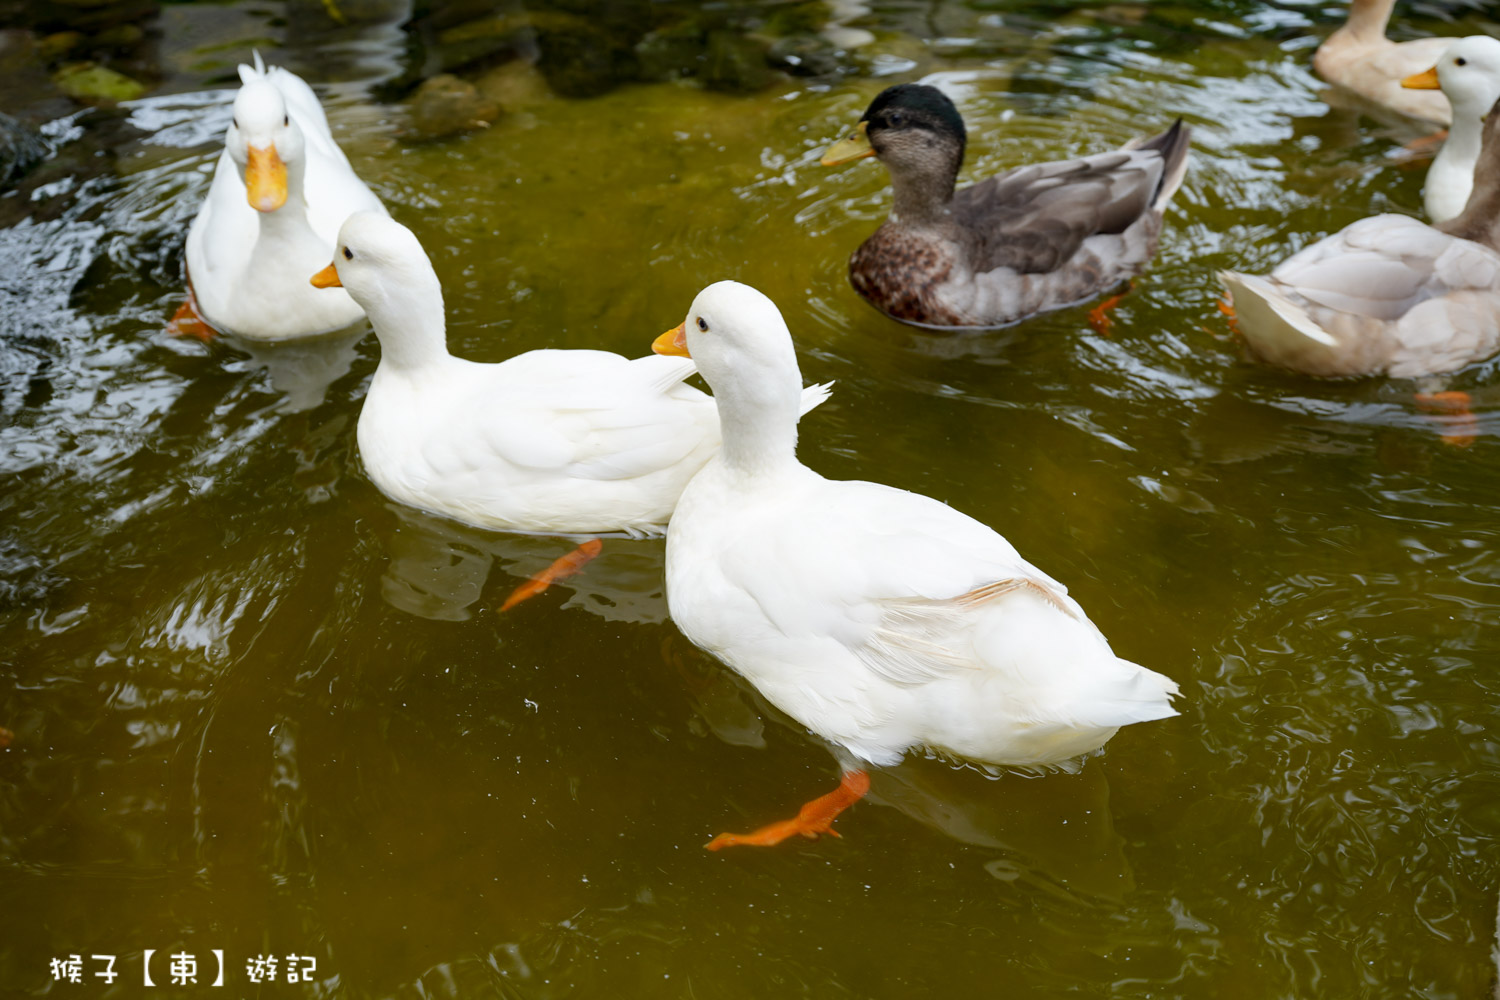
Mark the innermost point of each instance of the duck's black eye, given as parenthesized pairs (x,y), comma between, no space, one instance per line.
(235,122)
(895,119)
(286,120)
(1460,61)
(702,324)
(348,254)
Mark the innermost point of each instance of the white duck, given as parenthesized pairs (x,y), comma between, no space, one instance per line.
(1359,58)
(1386,296)
(280,192)
(1469,75)
(882,620)
(571,442)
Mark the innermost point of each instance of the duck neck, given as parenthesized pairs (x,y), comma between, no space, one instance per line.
(409,323)
(758,420)
(1367,20)
(1461,148)
(287,226)
(923,196)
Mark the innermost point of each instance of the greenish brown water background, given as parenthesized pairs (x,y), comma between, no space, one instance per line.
(257,708)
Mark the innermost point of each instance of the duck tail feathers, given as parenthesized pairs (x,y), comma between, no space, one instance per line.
(1274,326)
(814,396)
(1173,145)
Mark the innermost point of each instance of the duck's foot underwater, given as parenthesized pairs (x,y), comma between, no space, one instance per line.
(1099,317)
(187,321)
(813,819)
(1450,411)
(568,565)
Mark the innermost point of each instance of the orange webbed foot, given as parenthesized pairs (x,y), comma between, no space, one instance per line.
(569,564)
(1099,317)
(188,322)
(1450,410)
(1425,148)
(813,820)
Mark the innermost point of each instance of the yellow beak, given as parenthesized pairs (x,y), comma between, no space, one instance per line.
(327,278)
(1426,80)
(856,146)
(673,342)
(265,179)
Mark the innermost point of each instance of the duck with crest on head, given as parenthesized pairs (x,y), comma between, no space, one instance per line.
(1388,295)
(1037,238)
(281,189)
(1359,58)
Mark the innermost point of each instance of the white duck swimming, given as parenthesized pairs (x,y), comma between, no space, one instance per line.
(1386,296)
(571,442)
(1469,75)
(881,620)
(280,192)
(1359,58)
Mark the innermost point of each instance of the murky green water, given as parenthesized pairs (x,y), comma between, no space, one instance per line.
(257,708)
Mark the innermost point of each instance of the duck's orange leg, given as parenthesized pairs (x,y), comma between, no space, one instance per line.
(1099,317)
(1450,410)
(187,321)
(1226,306)
(813,819)
(569,564)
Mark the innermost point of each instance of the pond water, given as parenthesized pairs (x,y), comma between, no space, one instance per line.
(252,706)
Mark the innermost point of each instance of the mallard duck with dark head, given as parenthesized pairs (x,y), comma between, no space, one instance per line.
(1037,238)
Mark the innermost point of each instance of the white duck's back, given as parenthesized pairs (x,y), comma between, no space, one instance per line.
(564,441)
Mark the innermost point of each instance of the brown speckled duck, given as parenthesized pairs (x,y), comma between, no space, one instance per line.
(1036,238)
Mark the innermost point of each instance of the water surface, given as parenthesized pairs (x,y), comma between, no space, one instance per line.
(256,707)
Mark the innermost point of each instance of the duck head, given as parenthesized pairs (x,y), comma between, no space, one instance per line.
(382,265)
(265,142)
(743,349)
(1469,75)
(918,134)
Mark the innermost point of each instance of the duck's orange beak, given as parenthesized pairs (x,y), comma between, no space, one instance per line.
(327,278)
(265,179)
(673,342)
(1426,80)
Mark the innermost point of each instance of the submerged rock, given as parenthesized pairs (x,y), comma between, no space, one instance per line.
(89,81)
(21,148)
(806,55)
(673,51)
(446,105)
(736,63)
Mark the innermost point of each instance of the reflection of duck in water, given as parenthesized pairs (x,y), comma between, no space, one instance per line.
(564,442)
(440,569)
(1060,828)
(882,620)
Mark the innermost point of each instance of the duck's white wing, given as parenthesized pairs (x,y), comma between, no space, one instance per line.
(586,415)
(1381,267)
(867,564)
(1387,294)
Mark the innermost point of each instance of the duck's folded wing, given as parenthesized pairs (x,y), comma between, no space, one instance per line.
(1382,267)
(595,415)
(895,577)
(1033,219)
